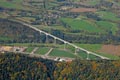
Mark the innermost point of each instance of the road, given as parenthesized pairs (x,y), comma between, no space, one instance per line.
(34,50)
(65,42)
(49,52)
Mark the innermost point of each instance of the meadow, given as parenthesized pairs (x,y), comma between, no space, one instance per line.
(42,50)
(96,48)
(62,53)
(29,49)
(108,15)
(91,26)
(80,25)
(14,4)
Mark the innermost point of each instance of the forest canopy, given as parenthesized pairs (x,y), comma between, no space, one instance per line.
(29,68)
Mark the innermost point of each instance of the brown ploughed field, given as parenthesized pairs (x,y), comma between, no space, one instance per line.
(111,49)
(83,10)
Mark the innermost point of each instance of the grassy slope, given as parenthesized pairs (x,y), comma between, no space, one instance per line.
(108,15)
(94,26)
(108,26)
(7,4)
(80,25)
(15,4)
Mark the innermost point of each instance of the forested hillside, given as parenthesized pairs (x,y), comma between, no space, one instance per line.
(11,32)
(30,68)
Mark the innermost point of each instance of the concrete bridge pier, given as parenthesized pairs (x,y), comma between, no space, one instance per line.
(46,38)
(40,36)
(40,32)
(55,40)
(88,55)
(76,49)
(65,43)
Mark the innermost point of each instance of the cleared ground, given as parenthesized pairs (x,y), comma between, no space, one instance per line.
(111,49)
(83,10)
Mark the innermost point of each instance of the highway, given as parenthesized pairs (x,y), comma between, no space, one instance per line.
(65,42)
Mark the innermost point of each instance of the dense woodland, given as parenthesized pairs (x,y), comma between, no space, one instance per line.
(22,67)
(12,32)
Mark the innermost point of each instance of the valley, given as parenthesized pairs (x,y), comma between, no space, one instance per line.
(59,39)
(85,25)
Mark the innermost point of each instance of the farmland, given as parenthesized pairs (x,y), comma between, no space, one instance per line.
(16,4)
(62,53)
(94,26)
(88,23)
(83,10)
(60,39)
(42,50)
(80,25)
(108,15)
(101,49)
(111,49)
(29,49)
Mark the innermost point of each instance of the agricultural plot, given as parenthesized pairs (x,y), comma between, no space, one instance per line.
(26,19)
(79,10)
(6,4)
(61,53)
(93,2)
(93,57)
(94,26)
(107,26)
(42,50)
(97,48)
(29,49)
(108,15)
(13,4)
(3,38)
(83,55)
(80,25)
(111,50)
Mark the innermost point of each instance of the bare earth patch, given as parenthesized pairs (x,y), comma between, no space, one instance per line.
(111,49)
(83,10)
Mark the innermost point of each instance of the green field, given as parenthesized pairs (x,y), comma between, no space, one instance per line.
(107,26)
(80,25)
(49,28)
(61,53)
(91,47)
(3,38)
(95,48)
(6,4)
(15,4)
(83,55)
(29,49)
(42,50)
(94,26)
(93,2)
(108,15)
